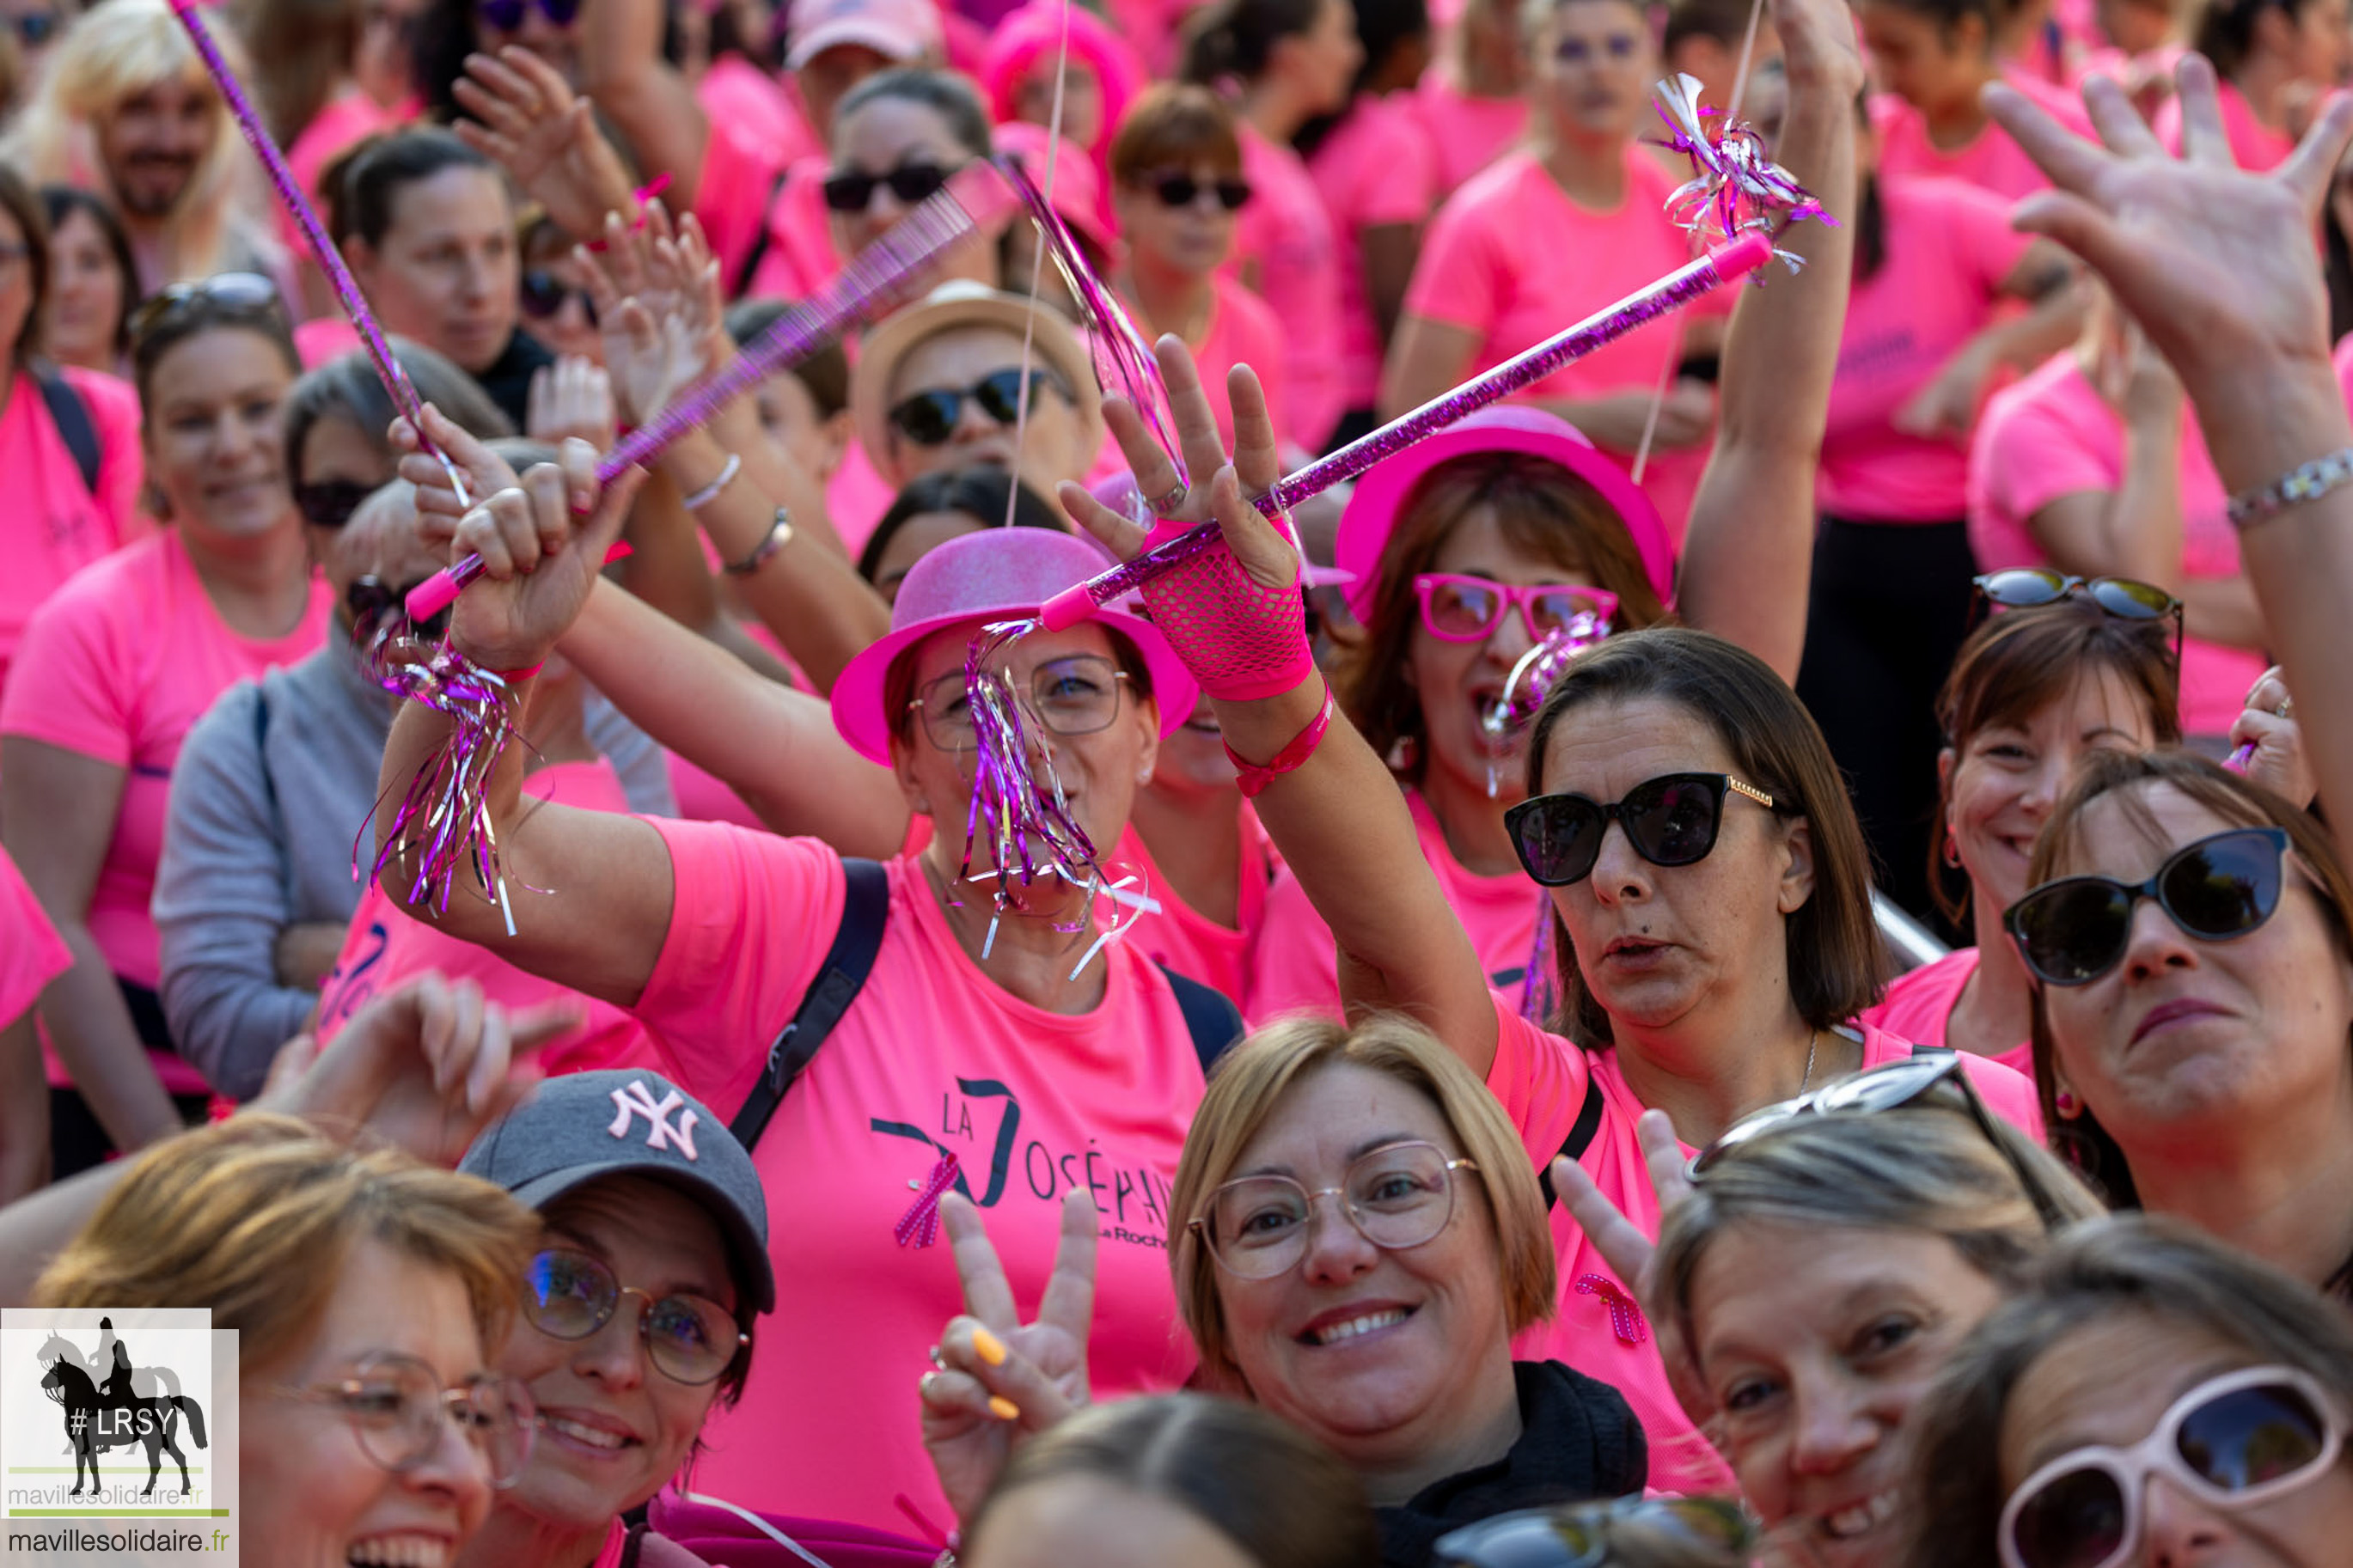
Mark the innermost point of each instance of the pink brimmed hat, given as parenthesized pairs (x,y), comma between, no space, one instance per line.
(997,575)
(1372,511)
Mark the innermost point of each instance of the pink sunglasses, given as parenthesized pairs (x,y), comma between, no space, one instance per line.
(1469,609)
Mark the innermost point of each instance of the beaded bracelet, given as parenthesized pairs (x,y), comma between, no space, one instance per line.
(2309,482)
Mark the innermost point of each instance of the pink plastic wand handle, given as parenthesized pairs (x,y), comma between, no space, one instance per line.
(1676,289)
(976,196)
(2240,757)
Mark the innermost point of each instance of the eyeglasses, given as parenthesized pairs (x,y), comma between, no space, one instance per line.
(1671,820)
(376,608)
(36,27)
(2231,1442)
(397,1404)
(543,294)
(1580,1536)
(1469,609)
(240,292)
(1074,696)
(853,190)
(330,503)
(570,1295)
(2073,930)
(929,418)
(2023,587)
(1181,190)
(1887,1087)
(507,15)
(1397,1196)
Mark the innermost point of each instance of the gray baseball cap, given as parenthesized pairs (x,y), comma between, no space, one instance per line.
(584,1126)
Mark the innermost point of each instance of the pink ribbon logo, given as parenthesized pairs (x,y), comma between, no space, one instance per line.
(920,1226)
(1625,1316)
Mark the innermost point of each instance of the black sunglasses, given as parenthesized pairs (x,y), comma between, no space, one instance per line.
(376,608)
(2073,930)
(1886,1087)
(542,294)
(1671,820)
(507,15)
(330,503)
(2024,587)
(239,293)
(1178,190)
(929,418)
(850,192)
(1578,1536)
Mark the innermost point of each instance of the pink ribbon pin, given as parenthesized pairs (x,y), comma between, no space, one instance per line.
(1625,1316)
(920,1226)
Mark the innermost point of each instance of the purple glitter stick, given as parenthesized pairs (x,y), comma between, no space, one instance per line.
(975,197)
(1677,289)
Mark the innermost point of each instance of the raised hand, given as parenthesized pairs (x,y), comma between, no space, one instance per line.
(528,118)
(541,537)
(998,1380)
(427,1066)
(571,400)
(2268,723)
(658,297)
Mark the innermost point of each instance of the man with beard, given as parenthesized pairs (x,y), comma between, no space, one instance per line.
(125,84)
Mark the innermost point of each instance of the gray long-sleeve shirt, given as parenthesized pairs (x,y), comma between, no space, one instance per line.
(271,789)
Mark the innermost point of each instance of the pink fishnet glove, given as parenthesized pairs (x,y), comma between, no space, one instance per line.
(1242,641)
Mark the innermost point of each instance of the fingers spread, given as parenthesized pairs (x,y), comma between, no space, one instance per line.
(2071,162)
(1119,533)
(2119,123)
(2310,167)
(987,1295)
(1618,1239)
(1070,1301)
(1257,452)
(1197,440)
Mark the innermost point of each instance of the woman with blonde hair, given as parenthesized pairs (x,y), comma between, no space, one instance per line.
(126,107)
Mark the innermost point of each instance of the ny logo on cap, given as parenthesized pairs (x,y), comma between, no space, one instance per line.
(637,1100)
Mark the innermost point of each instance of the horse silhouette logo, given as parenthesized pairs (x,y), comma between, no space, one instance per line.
(107,1403)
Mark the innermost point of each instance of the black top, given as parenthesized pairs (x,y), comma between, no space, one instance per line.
(1578,1440)
(508,377)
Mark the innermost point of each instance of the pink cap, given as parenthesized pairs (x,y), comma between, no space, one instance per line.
(1372,511)
(997,575)
(901,30)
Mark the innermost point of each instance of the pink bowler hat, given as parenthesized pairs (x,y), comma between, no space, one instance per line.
(997,575)
(1372,511)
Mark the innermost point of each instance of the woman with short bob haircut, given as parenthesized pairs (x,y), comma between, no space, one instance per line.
(2252,1373)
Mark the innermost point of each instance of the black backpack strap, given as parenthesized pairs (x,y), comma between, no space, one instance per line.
(760,241)
(1580,1136)
(71,417)
(865,909)
(1211,1016)
(633,1539)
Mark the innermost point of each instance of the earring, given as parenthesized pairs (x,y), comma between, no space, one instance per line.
(1144,776)
(1952,850)
(2069,1106)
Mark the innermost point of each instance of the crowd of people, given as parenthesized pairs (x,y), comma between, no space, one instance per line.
(1738,960)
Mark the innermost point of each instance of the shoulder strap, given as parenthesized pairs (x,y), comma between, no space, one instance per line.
(1580,1136)
(760,241)
(1211,1016)
(71,417)
(865,909)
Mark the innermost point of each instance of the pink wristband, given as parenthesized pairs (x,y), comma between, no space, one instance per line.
(1256,777)
(512,676)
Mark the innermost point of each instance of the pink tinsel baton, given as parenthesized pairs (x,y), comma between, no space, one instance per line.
(877,280)
(315,233)
(1677,289)
(1735,187)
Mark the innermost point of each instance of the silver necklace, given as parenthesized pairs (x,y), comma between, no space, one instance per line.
(1811,1041)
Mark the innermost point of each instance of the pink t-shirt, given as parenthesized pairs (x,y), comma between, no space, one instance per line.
(342,122)
(731,194)
(1286,232)
(1512,259)
(1541,1079)
(738,94)
(2052,435)
(1296,967)
(2254,145)
(31,952)
(1190,941)
(932,1057)
(1990,160)
(1920,1001)
(1377,169)
(385,947)
(1243,330)
(55,526)
(118,667)
(1949,246)
(1466,133)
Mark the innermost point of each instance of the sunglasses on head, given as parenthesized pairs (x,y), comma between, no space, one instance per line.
(1175,189)
(853,190)
(2231,1442)
(2075,930)
(1671,820)
(543,294)
(1456,608)
(507,15)
(1580,1536)
(376,607)
(929,418)
(2024,587)
(238,292)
